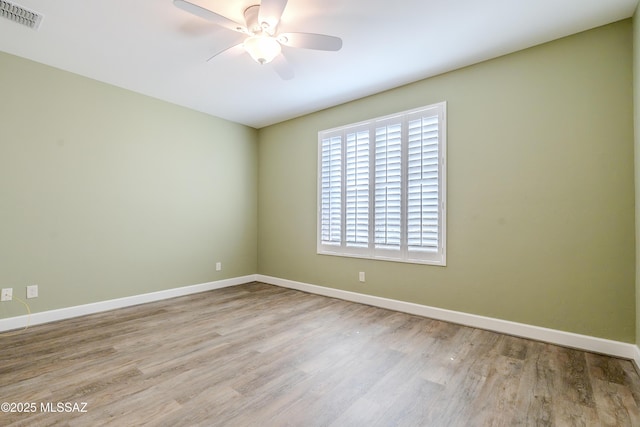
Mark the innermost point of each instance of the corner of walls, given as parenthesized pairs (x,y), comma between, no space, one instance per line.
(636,128)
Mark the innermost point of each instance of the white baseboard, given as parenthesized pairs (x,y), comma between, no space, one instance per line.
(553,336)
(636,358)
(19,322)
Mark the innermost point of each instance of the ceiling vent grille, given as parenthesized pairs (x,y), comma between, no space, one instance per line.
(19,14)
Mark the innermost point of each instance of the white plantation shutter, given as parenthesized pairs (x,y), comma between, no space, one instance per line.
(388,186)
(381,188)
(331,191)
(357,189)
(422,184)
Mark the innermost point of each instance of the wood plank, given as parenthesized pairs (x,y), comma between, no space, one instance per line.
(534,400)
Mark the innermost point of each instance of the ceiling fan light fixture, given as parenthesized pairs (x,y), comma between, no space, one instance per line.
(262,48)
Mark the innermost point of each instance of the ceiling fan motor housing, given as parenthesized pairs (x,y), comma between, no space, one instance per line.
(251,19)
(261,44)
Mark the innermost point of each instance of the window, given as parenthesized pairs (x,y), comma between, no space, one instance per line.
(381,188)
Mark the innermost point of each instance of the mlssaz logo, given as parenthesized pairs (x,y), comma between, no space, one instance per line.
(63,407)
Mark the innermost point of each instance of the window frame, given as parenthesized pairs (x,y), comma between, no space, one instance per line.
(403,254)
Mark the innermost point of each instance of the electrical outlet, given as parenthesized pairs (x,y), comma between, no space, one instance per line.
(361,276)
(218,266)
(7,294)
(32,291)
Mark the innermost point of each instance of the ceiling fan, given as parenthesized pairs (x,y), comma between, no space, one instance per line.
(263,41)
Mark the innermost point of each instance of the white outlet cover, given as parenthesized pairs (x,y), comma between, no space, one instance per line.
(32,291)
(7,294)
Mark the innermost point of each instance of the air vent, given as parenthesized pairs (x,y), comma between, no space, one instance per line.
(19,14)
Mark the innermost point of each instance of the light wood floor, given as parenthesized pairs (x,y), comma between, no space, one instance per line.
(261,355)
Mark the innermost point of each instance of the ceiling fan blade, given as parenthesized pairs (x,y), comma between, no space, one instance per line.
(209,15)
(283,67)
(271,12)
(236,49)
(311,41)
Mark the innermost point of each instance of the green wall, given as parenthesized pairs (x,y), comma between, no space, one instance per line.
(540,190)
(106,193)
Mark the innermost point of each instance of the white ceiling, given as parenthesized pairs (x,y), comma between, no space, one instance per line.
(154,48)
